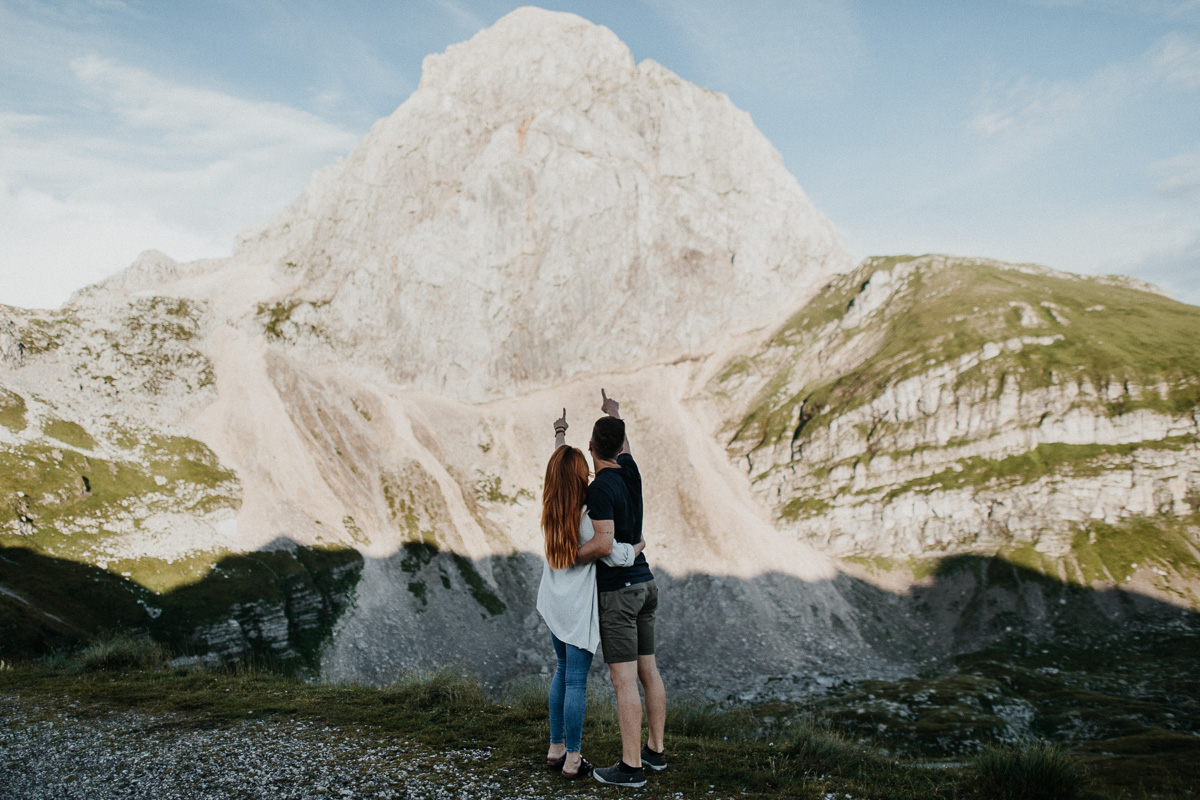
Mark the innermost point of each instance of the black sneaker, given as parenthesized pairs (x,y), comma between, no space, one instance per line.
(620,775)
(653,760)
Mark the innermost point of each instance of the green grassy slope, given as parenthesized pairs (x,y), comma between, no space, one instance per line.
(949,308)
(889,386)
(62,499)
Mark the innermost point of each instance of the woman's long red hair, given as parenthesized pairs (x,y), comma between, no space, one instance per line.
(563,497)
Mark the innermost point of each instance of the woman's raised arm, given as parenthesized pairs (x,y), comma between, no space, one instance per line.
(560,430)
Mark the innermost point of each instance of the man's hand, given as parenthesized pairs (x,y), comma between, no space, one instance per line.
(613,409)
(610,406)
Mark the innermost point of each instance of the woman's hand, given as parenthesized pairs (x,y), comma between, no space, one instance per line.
(560,430)
(639,547)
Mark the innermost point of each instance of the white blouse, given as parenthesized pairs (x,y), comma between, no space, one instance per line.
(567,598)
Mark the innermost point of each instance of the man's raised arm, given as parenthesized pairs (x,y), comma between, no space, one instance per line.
(613,409)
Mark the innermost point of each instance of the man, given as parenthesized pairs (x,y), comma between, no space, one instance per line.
(628,599)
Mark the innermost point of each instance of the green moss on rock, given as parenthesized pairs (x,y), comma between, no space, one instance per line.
(1114,552)
(69,433)
(478,586)
(1076,460)
(415,502)
(276,317)
(12,411)
(801,507)
(63,502)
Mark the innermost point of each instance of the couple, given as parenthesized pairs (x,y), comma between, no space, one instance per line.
(598,589)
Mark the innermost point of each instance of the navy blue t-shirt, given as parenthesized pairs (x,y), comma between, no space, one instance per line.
(616,494)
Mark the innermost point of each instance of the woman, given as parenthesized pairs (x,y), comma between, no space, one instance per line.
(567,598)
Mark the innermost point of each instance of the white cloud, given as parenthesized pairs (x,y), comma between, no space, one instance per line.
(1179,176)
(1176,60)
(1038,112)
(461,14)
(1156,9)
(202,120)
(143,163)
(1027,105)
(798,48)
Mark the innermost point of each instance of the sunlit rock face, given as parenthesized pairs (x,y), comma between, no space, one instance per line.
(544,207)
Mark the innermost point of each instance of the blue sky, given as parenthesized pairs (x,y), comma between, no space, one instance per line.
(1064,132)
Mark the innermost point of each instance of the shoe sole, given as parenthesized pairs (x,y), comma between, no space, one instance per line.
(631,785)
(646,762)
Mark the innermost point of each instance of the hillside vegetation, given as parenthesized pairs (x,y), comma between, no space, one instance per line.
(963,404)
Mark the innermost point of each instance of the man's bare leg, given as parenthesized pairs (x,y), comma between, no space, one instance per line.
(656,702)
(629,710)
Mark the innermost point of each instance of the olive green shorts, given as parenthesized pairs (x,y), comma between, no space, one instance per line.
(627,622)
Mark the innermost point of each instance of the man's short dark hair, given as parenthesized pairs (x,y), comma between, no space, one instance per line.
(608,435)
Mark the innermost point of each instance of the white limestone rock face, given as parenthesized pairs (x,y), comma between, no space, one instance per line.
(543,207)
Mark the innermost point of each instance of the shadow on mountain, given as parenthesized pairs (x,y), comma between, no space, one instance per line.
(371,620)
(723,638)
(980,651)
(277,605)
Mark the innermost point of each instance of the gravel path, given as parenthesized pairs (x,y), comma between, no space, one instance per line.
(53,751)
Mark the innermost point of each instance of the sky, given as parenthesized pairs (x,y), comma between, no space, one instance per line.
(1061,132)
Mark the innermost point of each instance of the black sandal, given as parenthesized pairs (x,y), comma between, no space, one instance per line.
(556,764)
(585,769)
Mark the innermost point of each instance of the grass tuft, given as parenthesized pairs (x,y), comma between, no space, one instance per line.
(119,651)
(442,688)
(529,698)
(827,752)
(692,718)
(1036,771)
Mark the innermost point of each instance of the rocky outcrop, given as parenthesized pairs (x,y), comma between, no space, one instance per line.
(150,270)
(12,349)
(275,605)
(931,405)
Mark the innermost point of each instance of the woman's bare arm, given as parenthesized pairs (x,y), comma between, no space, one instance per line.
(560,430)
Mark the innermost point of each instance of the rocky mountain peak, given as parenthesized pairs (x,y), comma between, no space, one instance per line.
(555,58)
(541,207)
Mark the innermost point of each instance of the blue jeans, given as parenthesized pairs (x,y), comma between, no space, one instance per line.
(568,694)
